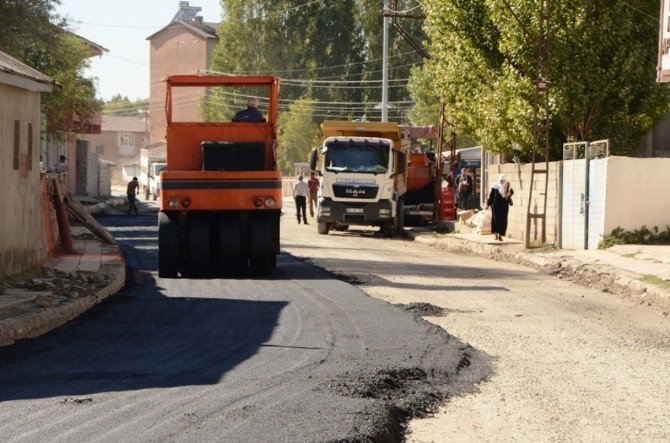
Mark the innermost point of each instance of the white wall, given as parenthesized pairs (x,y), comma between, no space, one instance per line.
(638,193)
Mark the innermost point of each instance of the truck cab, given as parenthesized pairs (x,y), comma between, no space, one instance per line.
(364,176)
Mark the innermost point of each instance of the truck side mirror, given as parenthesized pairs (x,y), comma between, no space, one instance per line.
(313,155)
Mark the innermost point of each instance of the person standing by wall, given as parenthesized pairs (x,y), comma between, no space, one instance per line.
(300,194)
(465,188)
(500,199)
(61,166)
(131,193)
(313,184)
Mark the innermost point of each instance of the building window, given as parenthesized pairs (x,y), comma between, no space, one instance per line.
(126,139)
(17,142)
(100,149)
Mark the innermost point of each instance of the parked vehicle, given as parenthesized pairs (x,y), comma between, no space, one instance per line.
(147,160)
(364,169)
(154,187)
(221,194)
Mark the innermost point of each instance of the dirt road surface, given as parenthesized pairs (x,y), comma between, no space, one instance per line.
(570,363)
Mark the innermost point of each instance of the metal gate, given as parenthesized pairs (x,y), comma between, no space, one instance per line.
(583,205)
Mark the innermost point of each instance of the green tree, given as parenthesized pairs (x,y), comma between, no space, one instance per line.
(603,72)
(119,105)
(402,57)
(299,42)
(298,134)
(32,32)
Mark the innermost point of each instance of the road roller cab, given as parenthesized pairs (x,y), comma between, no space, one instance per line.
(221,194)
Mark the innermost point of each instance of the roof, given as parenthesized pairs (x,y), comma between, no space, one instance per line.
(93,47)
(205,30)
(118,123)
(16,73)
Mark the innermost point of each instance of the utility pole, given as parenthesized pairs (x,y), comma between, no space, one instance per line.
(385,68)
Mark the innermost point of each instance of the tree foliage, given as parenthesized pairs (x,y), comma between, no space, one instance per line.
(32,32)
(122,105)
(297,134)
(603,70)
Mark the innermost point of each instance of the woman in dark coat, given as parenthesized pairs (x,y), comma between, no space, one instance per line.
(499,201)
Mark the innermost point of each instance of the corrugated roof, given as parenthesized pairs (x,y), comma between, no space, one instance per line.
(13,66)
(118,123)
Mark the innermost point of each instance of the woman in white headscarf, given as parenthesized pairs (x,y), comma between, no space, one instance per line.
(500,199)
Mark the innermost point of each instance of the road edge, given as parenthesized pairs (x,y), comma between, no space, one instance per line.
(45,319)
(603,277)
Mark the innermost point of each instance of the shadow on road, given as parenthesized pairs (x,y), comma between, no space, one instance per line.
(139,339)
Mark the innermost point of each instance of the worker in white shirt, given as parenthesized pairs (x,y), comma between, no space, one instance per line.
(300,194)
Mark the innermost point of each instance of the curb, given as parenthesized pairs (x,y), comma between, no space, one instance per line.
(43,320)
(603,277)
(99,207)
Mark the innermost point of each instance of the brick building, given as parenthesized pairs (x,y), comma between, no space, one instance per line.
(185,46)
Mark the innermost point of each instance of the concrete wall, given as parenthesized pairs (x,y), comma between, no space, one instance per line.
(92,174)
(638,193)
(519,177)
(109,141)
(21,225)
(175,50)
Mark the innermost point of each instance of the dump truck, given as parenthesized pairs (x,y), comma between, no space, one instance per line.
(221,194)
(364,176)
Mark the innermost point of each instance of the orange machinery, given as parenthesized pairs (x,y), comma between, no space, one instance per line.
(221,193)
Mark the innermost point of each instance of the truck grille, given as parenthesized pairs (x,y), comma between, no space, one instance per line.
(355,191)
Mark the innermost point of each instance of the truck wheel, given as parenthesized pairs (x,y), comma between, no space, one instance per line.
(146,193)
(322,228)
(389,230)
(400,224)
(260,247)
(168,246)
(199,245)
(232,259)
(154,196)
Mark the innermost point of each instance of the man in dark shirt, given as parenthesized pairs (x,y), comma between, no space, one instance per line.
(313,184)
(251,114)
(131,192)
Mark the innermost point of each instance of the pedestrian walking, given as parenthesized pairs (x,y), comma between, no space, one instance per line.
(131,193)
(300,194)
(500,199)
(313,184)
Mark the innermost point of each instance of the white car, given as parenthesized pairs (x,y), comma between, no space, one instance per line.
(154,179)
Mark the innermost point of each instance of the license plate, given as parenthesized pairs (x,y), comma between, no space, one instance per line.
(355,210)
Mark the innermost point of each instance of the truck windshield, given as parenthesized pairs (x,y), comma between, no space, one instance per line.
(364,156)
(157,168)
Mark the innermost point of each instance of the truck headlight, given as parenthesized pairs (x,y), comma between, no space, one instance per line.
(269,202)
(173,203)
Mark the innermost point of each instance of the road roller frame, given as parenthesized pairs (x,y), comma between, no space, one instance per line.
(221,195)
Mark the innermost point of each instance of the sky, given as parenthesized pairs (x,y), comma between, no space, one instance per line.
(122,27)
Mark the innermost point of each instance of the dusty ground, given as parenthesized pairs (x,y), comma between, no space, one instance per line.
(571,363)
